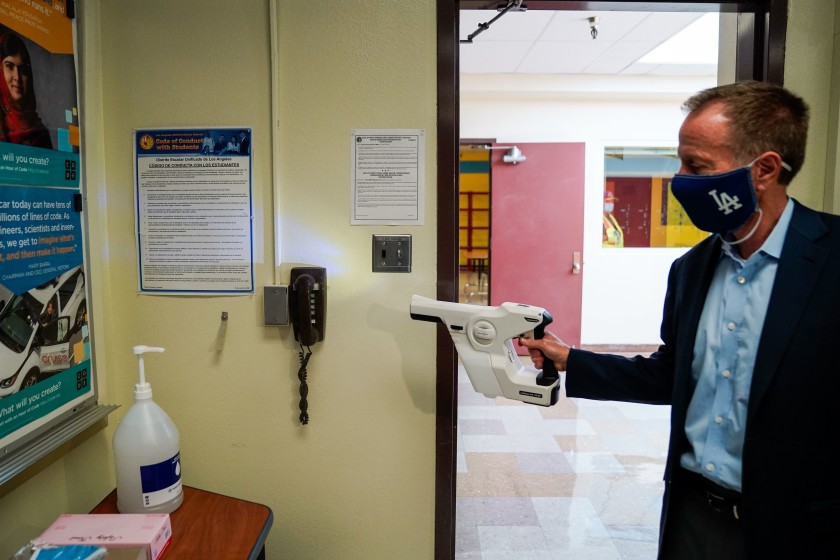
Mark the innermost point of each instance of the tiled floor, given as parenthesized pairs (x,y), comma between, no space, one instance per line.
(580,480)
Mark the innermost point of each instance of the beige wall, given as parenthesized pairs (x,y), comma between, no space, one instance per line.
(358,482)
(809,65)
(832,168)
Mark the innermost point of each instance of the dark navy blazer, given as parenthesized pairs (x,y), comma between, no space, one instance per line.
(791,470)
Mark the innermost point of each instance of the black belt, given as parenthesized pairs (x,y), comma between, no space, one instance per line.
(722,500)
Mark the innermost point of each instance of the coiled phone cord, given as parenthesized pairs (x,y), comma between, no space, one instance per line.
(304,387)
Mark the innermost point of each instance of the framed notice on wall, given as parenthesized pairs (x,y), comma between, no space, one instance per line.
(46,373)
(386,176)
(194,211)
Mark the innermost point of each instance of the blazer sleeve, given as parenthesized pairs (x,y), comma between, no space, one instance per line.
(638,379)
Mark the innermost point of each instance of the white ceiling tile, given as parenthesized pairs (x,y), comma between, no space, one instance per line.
(562,57)
(660,26)
(697,43)
(574,26)
(495,57)
(559,42)
(618,57)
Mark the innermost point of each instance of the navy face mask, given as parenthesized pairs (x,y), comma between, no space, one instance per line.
(719,203)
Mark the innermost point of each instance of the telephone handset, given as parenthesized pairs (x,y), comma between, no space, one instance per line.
(308,313)
(307,304)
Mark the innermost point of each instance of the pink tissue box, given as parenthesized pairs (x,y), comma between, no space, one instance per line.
(153,531)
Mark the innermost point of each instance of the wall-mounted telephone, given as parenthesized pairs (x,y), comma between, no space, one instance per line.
(308,304)
(308,314)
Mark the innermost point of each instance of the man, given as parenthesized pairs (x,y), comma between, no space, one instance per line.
(749,331)
(244,143)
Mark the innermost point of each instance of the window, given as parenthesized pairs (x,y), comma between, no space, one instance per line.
(639,209)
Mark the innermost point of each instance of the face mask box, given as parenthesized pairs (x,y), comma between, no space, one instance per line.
(151,531)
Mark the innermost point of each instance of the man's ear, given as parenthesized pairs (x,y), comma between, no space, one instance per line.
(768,168)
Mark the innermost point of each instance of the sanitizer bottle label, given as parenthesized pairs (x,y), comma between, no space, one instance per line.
(161,483)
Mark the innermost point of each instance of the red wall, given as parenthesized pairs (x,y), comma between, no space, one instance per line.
(536,225)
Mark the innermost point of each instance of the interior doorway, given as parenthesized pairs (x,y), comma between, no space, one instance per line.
(474,179)
(537,208)
(760,56)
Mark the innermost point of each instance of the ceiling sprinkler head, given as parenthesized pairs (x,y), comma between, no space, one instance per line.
(593,26)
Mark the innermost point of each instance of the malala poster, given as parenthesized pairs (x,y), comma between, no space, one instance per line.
(44,343)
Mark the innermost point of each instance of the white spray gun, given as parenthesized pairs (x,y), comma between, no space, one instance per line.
(482,337)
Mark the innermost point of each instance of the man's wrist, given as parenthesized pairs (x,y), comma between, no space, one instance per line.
(565,361)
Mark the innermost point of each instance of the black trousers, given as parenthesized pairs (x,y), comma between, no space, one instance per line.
(703,521)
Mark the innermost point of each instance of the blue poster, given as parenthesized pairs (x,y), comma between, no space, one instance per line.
(42,235)
(45,365)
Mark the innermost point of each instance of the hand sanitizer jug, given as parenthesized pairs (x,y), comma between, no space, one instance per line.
(147,453)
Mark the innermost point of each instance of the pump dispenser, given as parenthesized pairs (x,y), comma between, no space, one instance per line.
(147,453)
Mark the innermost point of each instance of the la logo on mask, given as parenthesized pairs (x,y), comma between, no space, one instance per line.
(726,204)
(717,203)
(733,200)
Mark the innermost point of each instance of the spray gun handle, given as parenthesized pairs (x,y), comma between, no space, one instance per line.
(548,375)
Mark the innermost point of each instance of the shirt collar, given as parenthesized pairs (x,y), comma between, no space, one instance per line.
(772,246)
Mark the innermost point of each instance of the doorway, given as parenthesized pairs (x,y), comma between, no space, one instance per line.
(760,55)
(552,177)
(474,175)
(492,259)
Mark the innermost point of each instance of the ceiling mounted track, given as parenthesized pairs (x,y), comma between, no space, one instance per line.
(512,5)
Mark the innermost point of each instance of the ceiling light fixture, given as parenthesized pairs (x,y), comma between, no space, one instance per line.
(513,156)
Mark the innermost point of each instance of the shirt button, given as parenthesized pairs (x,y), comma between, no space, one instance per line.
(726,373)
(731,325)
(741,280)
(718,420)
(710,467)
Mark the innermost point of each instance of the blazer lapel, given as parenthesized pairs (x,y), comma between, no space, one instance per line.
(800,265)
(696,280)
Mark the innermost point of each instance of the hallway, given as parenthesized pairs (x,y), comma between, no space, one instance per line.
(579,480)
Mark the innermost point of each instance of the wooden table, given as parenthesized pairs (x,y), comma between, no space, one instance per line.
(210,525)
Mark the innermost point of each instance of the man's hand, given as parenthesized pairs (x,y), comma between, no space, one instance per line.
(551,347)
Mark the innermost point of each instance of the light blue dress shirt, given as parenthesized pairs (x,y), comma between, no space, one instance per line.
(724,357)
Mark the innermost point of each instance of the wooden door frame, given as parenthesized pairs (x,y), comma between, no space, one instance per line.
(760,53)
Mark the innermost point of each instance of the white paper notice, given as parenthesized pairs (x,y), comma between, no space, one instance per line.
(387,177)
(193,216)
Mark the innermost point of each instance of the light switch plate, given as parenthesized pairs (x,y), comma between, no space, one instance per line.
(276,305)
(391,253)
